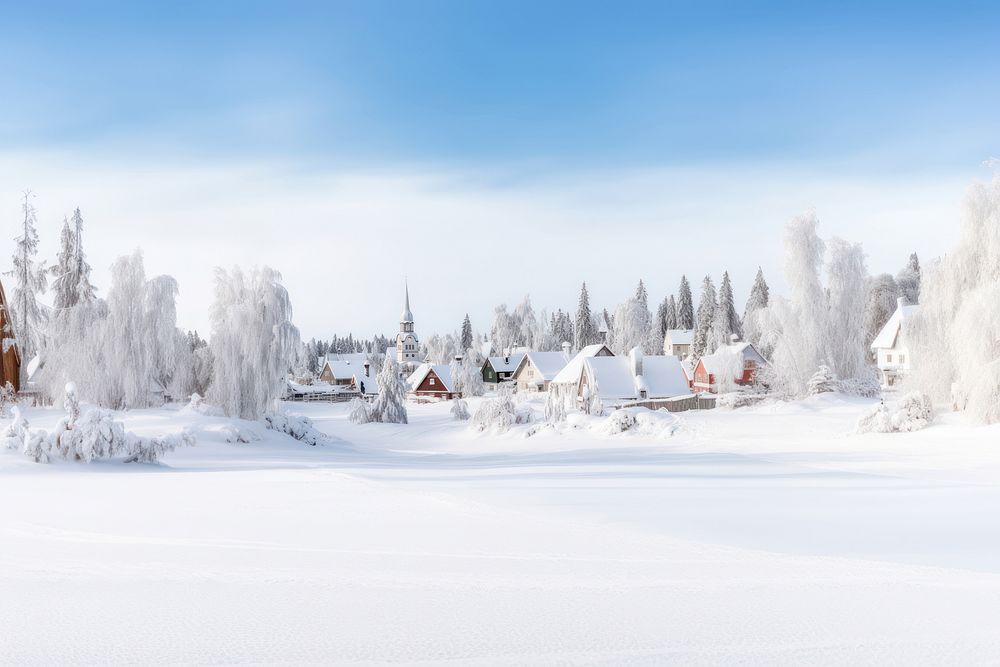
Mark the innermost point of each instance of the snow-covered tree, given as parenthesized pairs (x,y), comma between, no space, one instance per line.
(630,327)
(847,277)
(685,305)
(797,328)
(880,304)
(505,330)
(472,379)
(72,272)
(908,280)
(954,338)
(390,404)
(466,333)
(726,322)
(586,333)
(526,324)
(459,410)
(759,298)
(706,317)
(28,315)
(253,341)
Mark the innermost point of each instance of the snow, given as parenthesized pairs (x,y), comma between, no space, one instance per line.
(506,364)
(570,374)
(443,372)
(680,336)
(547,364)
(770,534)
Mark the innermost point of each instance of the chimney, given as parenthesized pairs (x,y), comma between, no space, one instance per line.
(367,366)
(566,347)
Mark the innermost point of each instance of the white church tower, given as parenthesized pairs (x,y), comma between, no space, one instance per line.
(407,345)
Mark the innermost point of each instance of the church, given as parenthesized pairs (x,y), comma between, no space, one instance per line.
(407,345)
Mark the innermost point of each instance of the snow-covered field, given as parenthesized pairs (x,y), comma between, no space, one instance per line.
(770,534)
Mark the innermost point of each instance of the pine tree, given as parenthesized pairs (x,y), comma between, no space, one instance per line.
(685,305)
(760,296)
(63,287)
(466,334)
(671,321)
(706,316)
(729,317)
(585,334)
(27,314)
(880,304)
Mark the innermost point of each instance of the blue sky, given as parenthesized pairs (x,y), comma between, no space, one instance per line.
(530,105)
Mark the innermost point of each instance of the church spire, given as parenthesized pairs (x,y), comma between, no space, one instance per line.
(407,316)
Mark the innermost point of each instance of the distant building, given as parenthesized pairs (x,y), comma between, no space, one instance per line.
(740,359)
(347,374)
(617,380)
(538,369)
(433,381)
(407,345)
(892,355)
(677,343)
(500,369)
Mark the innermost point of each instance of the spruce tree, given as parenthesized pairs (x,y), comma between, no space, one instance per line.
(585,334)
(30,281)
(466,334)
(908,280)
(706,315)
(757,301)
(685,305)
(729,318)
(63,285)
(671,321)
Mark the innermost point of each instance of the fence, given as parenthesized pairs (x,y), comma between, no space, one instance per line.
(696,402)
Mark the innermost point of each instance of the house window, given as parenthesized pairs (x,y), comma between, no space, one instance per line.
(432,382)
(888,358)
(902,358)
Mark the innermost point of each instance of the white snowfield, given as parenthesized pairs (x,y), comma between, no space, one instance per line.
(766,535)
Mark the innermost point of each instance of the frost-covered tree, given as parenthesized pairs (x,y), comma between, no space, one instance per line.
(505,330)
(459,410)
(880,304)
(586,333)
(954,338)
(823,381)
(253,341)
(466,333)
(759,298)
(526,324)
(28,315)
(706,317)
(390,404)
(472,379)
(630,327)
(72,272)
(685,305)
(847,277)
(797,328)
(908,280)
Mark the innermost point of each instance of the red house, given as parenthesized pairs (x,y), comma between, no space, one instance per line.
(741,361)
(433,381)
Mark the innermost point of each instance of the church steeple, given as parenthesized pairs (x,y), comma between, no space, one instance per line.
(407,345)
(407,316)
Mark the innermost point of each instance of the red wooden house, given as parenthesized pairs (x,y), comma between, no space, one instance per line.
(740,360)
(433,381)
(10,354)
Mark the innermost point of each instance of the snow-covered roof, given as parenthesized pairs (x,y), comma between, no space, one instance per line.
(664,377)
(742,349)
(442,371)
(343,369)
(548,364)
(613,379)
(730,358)
(506,364)
(680,336)
(886,338)
(570,374)
(358,358)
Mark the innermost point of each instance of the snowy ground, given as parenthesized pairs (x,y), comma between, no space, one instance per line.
(764,535)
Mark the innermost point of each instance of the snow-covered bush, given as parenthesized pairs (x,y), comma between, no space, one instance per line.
(912,412)
(555,404)
(13,435)
(199,406)
(459,410)
(359,411)
(823,381)
(300,428)
(618,421)
(235,435)
(739,399)
(866,385)
(96,434)
(496,413)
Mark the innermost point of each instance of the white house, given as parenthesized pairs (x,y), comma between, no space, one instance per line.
(617,380)
(889,347)
(538,369)
(677,342)
(570,374)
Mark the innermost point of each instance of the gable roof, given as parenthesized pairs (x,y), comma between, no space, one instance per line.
(548,364)
(506,364)
(730,358)
(614,380)
(442,371)
(570,373)
(895,325)
(680,336)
